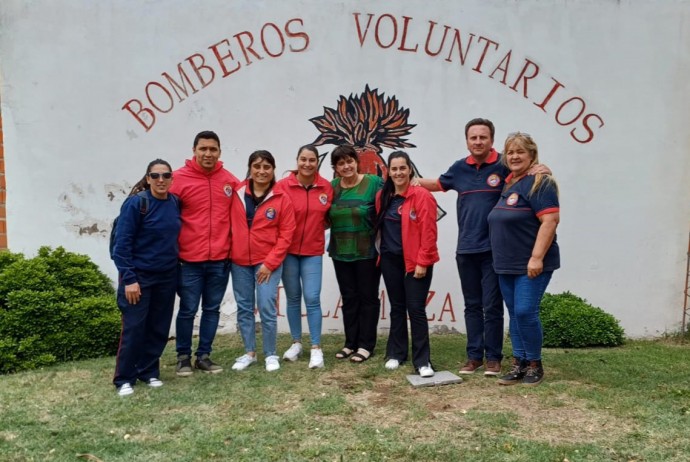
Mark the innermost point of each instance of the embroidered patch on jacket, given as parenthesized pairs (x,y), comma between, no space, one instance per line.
(228,190)
(413,214)
(270,213)
(323,198)
(493,180)
(512,199)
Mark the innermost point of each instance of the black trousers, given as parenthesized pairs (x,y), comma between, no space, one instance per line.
(359,287)
(407,297)
(145,327)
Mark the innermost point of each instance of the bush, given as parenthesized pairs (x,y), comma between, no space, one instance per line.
(569,321)
(57,306)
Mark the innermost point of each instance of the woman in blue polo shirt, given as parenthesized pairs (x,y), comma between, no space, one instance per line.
(522,229)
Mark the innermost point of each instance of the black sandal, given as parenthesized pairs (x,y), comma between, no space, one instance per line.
(344,353)
(361,356)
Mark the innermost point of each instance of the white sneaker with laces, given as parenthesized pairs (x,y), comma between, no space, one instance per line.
(316,358)
(154,382)
(392,364)
(294,352)
(243,362)
(272,363)
(426,371)
(125,390)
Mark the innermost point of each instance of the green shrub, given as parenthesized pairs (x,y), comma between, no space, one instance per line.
(569,321)
(57,306)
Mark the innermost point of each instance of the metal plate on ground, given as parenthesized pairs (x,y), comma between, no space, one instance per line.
(440,378)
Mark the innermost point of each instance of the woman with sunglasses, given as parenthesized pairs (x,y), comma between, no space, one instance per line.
(263,222)
(406,224)
(145,254)
(522,229)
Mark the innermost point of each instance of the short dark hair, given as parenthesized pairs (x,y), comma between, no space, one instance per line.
(342,152)
(308,147)
(485,122)
(206,135)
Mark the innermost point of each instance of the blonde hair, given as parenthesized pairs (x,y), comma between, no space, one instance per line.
(525,141)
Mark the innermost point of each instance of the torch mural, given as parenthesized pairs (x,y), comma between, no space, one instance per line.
(368,122)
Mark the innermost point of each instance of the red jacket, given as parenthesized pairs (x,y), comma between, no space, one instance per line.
(205,211)
(311,206)
(271,233)
(419,232)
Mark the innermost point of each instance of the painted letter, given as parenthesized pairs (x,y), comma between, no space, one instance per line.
(280,37)
(553,91)
(523,76)
(478,68)
(361,36)
(247,47)
(176,86)
(165,90)
(404,36)
(447,308)
(503,66)
(292,34)
(463,54)
(589,130)
(198,67)
(432,24)
(395,31)
(560,108)
(221,59)
(147,113)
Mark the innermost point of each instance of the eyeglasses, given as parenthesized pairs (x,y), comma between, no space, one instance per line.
(514,134)
(155,175)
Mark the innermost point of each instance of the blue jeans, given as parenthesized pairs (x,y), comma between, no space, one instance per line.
(145,327)
(523,297)
(483,306)
(205,282)
(247,293)
(302,276)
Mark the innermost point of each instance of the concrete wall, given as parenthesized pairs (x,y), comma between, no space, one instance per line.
(92,91)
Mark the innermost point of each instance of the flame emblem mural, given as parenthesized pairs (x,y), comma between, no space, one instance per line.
(369,122)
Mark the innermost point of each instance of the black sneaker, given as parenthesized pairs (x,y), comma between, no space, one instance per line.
(534,374)
(204,364)
(515,374)
(184,366)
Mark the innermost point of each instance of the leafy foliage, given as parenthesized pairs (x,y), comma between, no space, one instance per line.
(57,306)
(569,321)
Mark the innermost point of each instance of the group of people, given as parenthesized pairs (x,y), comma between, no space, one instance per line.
(189,231)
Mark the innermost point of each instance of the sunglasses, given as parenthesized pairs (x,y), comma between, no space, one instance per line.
(155,175)
(514,134)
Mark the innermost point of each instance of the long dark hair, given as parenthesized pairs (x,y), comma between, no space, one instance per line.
(388,190)
(142,184)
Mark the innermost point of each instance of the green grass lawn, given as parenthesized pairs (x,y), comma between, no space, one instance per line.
(623,404)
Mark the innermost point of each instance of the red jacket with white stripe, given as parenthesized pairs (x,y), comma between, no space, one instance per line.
(419,231)
(269,238)
(311,207)
(205,211)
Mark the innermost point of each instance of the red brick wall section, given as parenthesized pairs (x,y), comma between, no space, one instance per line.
(3,193)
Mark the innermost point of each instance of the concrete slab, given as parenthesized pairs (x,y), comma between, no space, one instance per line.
(440,378)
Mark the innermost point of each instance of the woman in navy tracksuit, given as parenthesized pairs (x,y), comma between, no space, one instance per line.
(145,253)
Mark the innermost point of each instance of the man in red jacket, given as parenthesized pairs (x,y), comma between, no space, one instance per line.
(205,191)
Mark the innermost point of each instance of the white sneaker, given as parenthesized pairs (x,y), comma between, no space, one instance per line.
(272,363)
(294,352)
(316,358)
(125,390)
(426,371)
(154,383)
(243,362)
(392,364)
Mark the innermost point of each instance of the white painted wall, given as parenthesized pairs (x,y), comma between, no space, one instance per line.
(67,68)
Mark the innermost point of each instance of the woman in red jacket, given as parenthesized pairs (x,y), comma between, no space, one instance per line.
(406,223)
(263,223)
(311,198)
